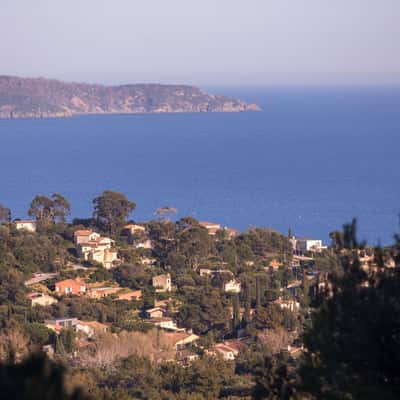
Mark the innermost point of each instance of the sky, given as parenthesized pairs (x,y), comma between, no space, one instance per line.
(207,42)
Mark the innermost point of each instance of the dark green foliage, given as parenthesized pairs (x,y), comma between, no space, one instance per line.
(268,318)
(31,252)
(111,210)
(39,334)
(205,311)
(236,312)
(36,378)
(274,380)
(354,342)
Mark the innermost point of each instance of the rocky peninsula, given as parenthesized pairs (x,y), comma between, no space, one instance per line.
(47,98)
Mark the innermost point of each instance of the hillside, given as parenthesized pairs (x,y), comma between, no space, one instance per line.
(42,98)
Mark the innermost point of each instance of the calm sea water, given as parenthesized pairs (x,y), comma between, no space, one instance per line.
(312,160)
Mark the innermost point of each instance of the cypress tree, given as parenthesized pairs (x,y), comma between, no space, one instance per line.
(258,292)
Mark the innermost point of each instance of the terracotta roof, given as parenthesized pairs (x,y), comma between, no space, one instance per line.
(175,337)
(70,282)
(235,344)
(223,347)
(83,232)
(210,226)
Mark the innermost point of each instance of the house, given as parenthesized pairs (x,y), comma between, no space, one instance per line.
(232,286)
(61,323)
(304,245)
(179,340)
(213,272)
(148,261)
(242,312)
(85,236)
(162,283)
(25,224)
(110,258)
(165,323)
(186,356)
(227,353)
(70,286)
(101,292)
(156,312)
(147,244)
(90,328)
(291,305)
(132,229)
(231,233)
(93,247)
(107,257)
(41,299)
(129,295)
(211,227)
(229,349)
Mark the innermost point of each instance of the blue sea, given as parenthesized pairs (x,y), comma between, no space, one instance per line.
(313,159)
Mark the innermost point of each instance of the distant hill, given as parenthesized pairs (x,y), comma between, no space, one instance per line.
(42,98)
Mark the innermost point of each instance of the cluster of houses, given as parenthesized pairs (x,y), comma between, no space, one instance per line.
(97,290)
(88,328)
(91,246)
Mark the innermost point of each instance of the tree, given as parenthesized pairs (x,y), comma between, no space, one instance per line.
(36,378)
(236,312)
(270,317)
(273,380)
(353,345)
(258,292)
(5,214)
(42,209)
(111,210)
(247,303)
(61,207)
(48,211)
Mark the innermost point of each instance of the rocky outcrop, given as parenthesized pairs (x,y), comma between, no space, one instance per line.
(43,98)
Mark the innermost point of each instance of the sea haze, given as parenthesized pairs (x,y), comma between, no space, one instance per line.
(312,160)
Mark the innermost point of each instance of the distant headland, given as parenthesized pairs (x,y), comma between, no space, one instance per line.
(48,98)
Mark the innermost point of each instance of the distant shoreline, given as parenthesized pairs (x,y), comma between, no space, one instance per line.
(48,98)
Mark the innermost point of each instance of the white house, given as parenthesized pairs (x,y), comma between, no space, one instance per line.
(25,224)
(93,247)
(304,245)
(291,305)
(133,228)
(162,283)
(41,299)
(90,328)
(212,228)
(232,286)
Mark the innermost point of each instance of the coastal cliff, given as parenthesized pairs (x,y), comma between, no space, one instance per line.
(44,98)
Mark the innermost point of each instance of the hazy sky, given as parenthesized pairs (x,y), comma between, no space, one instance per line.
(208,42)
